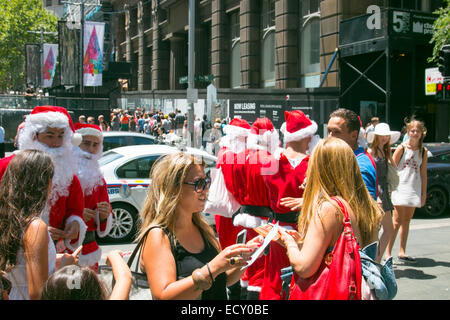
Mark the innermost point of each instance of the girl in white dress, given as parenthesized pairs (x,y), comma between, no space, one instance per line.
(27,253)
(411,193)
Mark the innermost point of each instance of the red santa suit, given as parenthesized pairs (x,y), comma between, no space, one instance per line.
(285,183)
(95,191)
(232,144)
(65,203)
(255,210)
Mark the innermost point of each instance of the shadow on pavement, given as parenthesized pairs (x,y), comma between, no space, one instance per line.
(411,271)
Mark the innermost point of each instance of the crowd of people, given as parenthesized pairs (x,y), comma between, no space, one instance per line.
(309,194)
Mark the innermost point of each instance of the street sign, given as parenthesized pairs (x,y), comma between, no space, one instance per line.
(192,95)
(432,77)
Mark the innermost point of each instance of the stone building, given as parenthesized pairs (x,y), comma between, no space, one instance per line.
(273,53)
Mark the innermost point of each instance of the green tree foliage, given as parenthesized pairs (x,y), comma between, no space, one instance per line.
(17,18)
(441,34)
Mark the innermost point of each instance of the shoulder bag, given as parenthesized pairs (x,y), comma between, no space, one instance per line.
(339,275)
(5,286)
(392,176)
(140,289)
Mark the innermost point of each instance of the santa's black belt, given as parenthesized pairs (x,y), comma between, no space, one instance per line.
(290,217)
(89,237)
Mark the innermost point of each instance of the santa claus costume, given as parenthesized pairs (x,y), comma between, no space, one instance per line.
(285,183)
(65,203)
(263,141)
(232,144)
(95,191)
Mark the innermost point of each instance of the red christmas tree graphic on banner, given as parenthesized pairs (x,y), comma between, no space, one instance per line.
(93,63)
(49,66)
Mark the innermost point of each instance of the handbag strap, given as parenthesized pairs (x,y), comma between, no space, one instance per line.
(344,210)
(138,248)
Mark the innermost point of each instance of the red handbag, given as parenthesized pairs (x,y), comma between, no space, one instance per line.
(339,275)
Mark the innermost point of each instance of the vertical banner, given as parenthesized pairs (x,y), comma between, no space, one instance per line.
(69,54)
(93,53)
(49,67)
(33,63)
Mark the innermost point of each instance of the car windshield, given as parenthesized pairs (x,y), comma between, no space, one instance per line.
(109,157)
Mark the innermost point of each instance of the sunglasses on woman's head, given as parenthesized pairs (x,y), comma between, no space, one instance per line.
(200,184)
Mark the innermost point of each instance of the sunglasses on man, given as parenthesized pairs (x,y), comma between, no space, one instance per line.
(200,184)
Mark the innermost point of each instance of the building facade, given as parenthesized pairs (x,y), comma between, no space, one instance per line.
(277,54)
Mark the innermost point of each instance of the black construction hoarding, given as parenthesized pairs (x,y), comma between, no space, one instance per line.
(272,109)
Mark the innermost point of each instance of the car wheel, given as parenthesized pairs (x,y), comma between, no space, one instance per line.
(124,223)
(437,202)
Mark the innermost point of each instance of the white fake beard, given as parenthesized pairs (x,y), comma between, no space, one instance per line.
(88,171)
(63,161)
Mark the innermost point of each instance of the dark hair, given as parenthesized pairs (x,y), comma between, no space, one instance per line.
(351,118)
(23,195)
(74,283)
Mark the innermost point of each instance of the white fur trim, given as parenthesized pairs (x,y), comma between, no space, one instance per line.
(76,139)
(43,120)
(300,134)
(235,131)
(254,289)
(109,222)
(248,221)
(269,140)
(244,284)
(81,234)
(88,131)
(90,259)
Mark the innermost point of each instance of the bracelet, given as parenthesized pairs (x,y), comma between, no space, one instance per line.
(210,274)
(200,281)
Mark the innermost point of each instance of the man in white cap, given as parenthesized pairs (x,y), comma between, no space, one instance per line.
(283,186)
(50,129)
(97,210)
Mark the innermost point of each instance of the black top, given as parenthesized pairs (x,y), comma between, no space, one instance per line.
(187,262)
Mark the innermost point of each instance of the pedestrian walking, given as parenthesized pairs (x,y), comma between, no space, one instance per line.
(216,134)
(181,256)
(104,126)
(97,210)
(50,129)
(345,124)
(125,121)
(381,140)
(86,283)
(115,121)
(27,253)
(411,193)
(334,186)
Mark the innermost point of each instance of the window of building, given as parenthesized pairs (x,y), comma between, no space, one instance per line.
(419,5)
(235,61)
(310,43)
(268,43)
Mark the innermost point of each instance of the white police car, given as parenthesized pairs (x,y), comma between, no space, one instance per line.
(126,171)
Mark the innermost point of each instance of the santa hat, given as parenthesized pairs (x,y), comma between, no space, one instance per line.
(237,128)
(263,135)
(43,117)
(85,129)
(297,126)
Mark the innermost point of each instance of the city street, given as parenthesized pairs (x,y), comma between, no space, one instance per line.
(427,279)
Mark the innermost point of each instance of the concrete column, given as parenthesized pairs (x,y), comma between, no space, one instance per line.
(160,54)
(220,46)
(250,43)
(287,24)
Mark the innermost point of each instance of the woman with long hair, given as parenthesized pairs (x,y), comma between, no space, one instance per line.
(333,172)
(27,253)
(181,255)
(381,139)
(411,161)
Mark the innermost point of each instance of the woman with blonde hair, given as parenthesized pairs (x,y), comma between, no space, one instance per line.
(381,139)
(411,161)
(181,255)
(333,175)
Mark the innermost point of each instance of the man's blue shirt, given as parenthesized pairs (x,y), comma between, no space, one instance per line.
(368,171)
